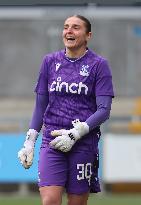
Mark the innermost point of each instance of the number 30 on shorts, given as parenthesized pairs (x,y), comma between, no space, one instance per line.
(84,172)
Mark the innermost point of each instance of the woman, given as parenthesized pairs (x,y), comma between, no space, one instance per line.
(74,96)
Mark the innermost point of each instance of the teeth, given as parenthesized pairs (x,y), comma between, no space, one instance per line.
(70,38)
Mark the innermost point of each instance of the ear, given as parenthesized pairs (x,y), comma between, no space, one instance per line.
(89,35)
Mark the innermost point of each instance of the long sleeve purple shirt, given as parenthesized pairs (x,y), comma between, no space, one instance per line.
(95,120)
(69,89)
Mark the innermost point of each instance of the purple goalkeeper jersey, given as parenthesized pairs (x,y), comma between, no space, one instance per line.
(72,86)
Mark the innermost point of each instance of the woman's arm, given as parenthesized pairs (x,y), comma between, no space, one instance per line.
(38,113)
(102,113)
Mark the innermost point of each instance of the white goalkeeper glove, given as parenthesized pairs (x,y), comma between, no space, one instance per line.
(26,154)
(66,138)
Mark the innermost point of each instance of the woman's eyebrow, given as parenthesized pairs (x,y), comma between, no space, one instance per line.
(74,25)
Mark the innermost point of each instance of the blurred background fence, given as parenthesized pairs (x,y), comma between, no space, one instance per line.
(26,35)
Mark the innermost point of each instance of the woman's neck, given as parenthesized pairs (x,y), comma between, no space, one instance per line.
(75,53)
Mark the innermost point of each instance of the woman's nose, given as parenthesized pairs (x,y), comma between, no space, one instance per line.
(69,29)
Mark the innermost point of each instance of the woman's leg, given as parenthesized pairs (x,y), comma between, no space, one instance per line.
(81,176)
(74,199)
(51,195)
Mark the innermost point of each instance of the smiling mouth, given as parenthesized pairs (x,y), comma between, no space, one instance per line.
(70,39)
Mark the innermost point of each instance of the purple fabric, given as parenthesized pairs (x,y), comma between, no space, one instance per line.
(38,113)
(102,113)
(66,169)
(72,87)
(95,120)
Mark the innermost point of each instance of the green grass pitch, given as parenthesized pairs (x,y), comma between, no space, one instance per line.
(101,199)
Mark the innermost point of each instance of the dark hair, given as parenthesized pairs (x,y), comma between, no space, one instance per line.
(86,21)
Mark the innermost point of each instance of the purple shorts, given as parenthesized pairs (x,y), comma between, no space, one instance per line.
(76,170)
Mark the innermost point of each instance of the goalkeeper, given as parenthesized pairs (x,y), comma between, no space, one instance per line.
(74,94)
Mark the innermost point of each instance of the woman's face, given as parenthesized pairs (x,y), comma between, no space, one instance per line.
(75,35)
